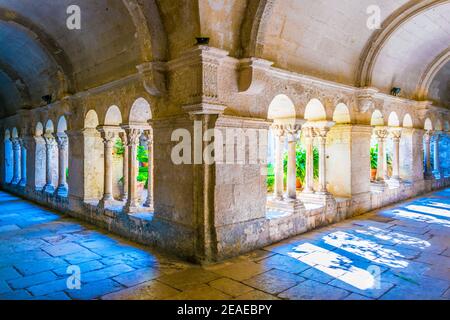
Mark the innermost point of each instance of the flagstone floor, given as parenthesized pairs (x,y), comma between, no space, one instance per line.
(401,252)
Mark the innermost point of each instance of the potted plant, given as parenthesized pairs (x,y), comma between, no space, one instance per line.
(373,162)
(270,177)
(300,160)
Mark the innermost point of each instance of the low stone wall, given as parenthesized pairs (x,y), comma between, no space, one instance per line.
(232,239)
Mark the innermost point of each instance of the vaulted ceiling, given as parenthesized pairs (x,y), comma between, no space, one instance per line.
(328,39)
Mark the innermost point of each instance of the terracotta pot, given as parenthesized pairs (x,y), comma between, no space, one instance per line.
(373,174)
(298,183)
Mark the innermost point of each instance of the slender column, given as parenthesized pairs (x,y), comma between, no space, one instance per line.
(322,137)
(395,136)
(124,194)
(292,163)
(381,134)
(149,202)
(108,141)
(49,147)
(427,140)
(133,135)
(279,174)
(308,134)
(16,160)
(23,163)
(62,141)
(437,165)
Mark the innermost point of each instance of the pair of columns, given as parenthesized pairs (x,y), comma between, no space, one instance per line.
(436,163)
(382,134)
(310,132)
(18,167)
(52,141)
(130,137)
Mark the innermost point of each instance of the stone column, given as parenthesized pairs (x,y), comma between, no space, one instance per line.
(149,202)
(108,137)
(23,163)
(395,136)
(381,134)
(292,132)
(437,165)
(308,134)
(133,135)
(279,174)
(49,147)
(321,134)
(124,195)
(427,141)
(16,160)
(62,141)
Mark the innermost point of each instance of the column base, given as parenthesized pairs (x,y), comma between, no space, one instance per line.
(62,190)
(23,183)
(123,197)
(48,188)
(395,182)
(428,176)
(287,205)
(106,201)
(322,198)
(15,181)
(437,174)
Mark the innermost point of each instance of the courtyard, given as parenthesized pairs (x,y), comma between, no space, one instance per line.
(400,252)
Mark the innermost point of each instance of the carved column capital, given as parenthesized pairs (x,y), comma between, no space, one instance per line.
(395,133)
(381,133)
(62,140)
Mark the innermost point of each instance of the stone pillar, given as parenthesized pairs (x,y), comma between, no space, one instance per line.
(62,141)
(437,166)
(427,141)
(292,163)
(149,201)
(16,162)
(321,134)
(124,195)
(133,135)
(279,172)
(108,137)
(49,147)
(395,136)
(381,134)
(23,163)
(308,134)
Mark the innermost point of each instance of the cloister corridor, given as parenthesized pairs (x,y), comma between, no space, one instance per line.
(399,252)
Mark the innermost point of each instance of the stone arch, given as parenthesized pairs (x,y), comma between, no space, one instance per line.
(438,125)
(428,124)
(446,126)
(431,72)
(315,111)
(378,40)
(341,114)
(377,118)
(393,120)
(7,134)
(14,133)
(113,116)
(140,111)
(408,121)
(49,127)
(281,107)
(39,129)
(91,120)
(62,125)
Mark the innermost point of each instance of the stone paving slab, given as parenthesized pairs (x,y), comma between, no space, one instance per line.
(394,253)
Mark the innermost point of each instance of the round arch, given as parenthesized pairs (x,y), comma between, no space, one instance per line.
(315,111)
(428,125)
(62,125)
(113,116)
(377,118)
(49,127)
(7,134)
(39,130)
(14,133)
(341,114)
(281,107)
(91,120)
(407,121)
(393,120)
(140,111)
